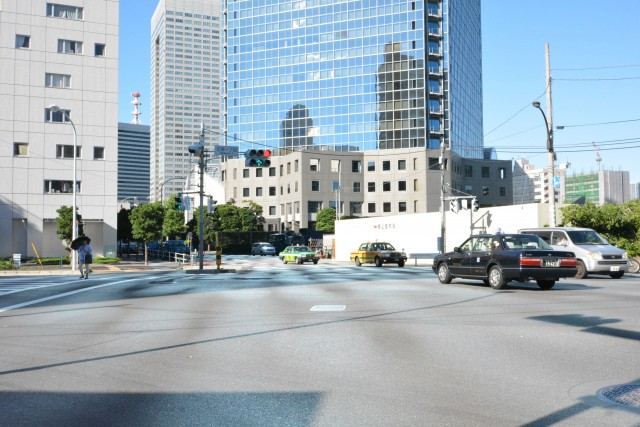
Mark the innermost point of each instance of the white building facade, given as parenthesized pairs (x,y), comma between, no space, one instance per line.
(186,88)
(63,54)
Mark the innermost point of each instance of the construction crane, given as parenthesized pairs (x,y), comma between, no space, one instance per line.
(598,157)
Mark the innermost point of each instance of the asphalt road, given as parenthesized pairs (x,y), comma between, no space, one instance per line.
(315,345)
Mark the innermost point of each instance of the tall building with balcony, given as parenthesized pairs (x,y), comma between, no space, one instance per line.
(392,81)
(63,54)
(133,163)
(186,88)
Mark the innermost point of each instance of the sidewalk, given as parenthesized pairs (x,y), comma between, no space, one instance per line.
(124,266)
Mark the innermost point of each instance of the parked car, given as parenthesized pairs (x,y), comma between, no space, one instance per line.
(378,253)
(497,259)
(595,254)
(299,255)
(177,246)
(263,248)
(153,246)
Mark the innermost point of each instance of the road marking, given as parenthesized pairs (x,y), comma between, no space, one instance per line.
(329,307)
(37,301)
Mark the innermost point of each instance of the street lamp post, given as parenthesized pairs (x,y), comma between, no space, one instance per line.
(74,224)
(551,172)
(162,187)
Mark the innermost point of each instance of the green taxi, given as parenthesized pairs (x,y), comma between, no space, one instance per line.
(299,255)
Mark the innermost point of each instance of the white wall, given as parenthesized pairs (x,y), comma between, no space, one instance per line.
(420,232)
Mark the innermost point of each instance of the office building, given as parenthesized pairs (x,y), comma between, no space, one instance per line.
(186,88)
(63,55)
(386,83)
(133,163)
(531,184)
(598,187)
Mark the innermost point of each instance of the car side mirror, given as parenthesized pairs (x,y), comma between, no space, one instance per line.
(456,249)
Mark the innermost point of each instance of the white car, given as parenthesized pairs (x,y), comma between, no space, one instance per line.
(263,248)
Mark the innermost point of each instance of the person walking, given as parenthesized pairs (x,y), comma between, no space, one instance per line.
(85,258)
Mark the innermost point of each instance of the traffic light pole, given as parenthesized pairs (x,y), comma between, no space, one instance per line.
(201,231)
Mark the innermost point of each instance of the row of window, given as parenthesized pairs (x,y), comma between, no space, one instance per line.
(62,151)
(23,41)
(355,208)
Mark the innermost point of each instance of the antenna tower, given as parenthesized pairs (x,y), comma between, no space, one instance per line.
(598,157)
(136,112)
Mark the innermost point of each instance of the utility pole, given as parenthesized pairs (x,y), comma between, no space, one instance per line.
(441,246)
(551,153)
(201,231)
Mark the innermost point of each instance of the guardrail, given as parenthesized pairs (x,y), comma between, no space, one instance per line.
(421,255)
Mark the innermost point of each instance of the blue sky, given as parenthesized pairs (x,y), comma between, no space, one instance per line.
(595,67)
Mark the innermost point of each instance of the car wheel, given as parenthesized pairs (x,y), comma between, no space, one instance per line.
(299,261)
(358,263)
(616,274)
(378,261)
(582,270)
(315,261)
(253,254)
(546,284)
(443,274)
(284,261)
(400,263)
(496,278)
(634,265)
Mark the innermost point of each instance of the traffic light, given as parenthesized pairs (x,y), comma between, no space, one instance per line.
(454,205)
(257,158)
(212,205)
(476,205)
(178,203)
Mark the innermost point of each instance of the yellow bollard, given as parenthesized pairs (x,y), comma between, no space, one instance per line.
(218,256)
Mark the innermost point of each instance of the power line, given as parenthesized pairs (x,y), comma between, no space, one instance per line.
(596,68)
(596,124)
(510,118)
(600,79)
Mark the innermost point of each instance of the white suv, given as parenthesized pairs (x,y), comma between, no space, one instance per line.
(263,248)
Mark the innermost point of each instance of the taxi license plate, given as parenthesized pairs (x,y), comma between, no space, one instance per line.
(615,268)
(551,263)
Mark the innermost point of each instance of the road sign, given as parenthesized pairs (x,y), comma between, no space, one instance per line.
(186,203)
(225,150)
(556,182)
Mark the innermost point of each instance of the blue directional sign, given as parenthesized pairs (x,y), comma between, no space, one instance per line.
(556,182)
(186,202)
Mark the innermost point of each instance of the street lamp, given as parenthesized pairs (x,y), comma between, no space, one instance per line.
(551,173)
(74,224)
(162,186)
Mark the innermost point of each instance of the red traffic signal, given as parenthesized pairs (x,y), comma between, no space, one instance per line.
(257,158)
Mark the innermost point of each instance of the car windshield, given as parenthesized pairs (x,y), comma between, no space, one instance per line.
(265,245)
(383,247)
(301,249)
(524,241)
(586,237)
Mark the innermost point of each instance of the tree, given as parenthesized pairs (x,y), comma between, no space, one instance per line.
(124,225)
(173,224)
(326,220)
(65,230)
(146,223)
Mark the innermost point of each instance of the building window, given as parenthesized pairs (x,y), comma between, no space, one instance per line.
(20,149)
(60,186)
(295,165)
(272,210)
(485,191)
(386,165)
(415,185)
(245,192)
(355,208)
(402,165)
(272,171)
(314,165)
(66,151)
(386,207)
(288,168)
(402,185)
(371,207)
(57,116)
(258,191)
(23,42)
(281,170)
(434,163)
(356,187)
(69,46)
(245,173)
(371,187)
(99,49)
(314,207)
(468,171)
(315,185)
(485,172)
(258,172)
(356,166)
(272,191)
(503,191)
(62,11)
(386,186)
(296,187)
(98,153)
(502,173)
(335,165)
(371,166)
(57,80)
(402,206)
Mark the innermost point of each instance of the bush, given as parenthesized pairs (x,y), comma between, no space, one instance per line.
(106,260)
(6,265)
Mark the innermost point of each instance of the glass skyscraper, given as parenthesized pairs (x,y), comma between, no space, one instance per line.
(355,75)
